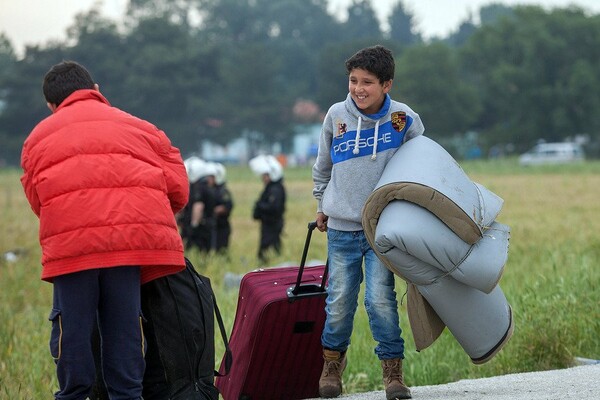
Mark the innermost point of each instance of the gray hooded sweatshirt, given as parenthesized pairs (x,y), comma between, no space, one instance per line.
(354,149)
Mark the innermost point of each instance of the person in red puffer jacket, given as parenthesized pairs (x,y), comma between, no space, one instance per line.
(106,186)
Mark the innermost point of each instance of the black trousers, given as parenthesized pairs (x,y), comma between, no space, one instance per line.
(270,236)
(108,298)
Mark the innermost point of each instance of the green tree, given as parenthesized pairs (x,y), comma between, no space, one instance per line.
(534,72)
(261,85)
(248,95)
(97,44)
(488,15)
(7,59)
(580,94)
(22,100)
(402,25)
(494,12)
(179,12)
(236,21)
(362,22)
(462,35)
(429,79)
(170,77)
(7,70)
(297,29)
(220,69)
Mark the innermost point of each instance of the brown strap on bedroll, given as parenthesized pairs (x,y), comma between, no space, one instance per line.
(425,324)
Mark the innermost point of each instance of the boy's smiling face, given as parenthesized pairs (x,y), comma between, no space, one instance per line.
(366,90)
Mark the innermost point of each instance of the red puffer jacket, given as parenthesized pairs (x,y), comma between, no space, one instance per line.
(106,186)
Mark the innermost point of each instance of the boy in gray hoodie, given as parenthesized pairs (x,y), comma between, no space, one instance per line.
(358,138)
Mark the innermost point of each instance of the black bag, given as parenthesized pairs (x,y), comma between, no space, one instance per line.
(180,361)
(179,311)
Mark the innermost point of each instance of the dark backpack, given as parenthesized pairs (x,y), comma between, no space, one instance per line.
(179,313)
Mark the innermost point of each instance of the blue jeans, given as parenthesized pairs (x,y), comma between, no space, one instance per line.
(346,253)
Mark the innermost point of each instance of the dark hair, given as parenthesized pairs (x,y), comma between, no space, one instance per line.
(376,59)
(63,79)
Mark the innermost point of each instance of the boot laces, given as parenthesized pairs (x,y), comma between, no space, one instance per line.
(333,367)
(391,371)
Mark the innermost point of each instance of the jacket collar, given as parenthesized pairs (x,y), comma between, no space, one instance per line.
(82,94)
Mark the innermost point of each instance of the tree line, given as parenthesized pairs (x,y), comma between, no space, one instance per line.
(218,70)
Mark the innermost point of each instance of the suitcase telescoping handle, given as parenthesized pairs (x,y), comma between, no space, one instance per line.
(307,290)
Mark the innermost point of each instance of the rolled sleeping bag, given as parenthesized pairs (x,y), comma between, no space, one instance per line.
(424,173)
(421,249)
(415,241)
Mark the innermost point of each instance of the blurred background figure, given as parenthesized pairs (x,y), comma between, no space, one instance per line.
(270,207)
(197,220)
(222,210)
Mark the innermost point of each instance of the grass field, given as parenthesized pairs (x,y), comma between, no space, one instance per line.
(552,278)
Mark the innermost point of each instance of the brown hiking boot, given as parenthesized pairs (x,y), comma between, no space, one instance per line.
(330,383)
(393,381)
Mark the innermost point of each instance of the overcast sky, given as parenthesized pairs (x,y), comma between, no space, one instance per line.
(38,21)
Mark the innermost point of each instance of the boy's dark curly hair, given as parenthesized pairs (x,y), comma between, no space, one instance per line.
(376,59)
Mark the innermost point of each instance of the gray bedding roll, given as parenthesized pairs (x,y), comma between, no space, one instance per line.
(435,228)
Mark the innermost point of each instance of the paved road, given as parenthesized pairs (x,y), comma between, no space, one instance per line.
(576,383)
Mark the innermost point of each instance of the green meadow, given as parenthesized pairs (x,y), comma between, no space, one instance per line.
(551,280)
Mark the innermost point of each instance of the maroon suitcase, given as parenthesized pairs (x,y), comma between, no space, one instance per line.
(276,335)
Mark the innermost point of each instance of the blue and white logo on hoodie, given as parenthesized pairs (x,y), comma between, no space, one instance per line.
(343,146)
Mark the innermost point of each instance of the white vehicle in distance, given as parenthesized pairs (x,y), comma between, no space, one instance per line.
(553,153)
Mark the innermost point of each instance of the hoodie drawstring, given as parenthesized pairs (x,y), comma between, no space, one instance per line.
(374,155)
(355,151)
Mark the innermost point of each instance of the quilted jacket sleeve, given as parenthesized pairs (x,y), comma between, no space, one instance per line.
(26,181)
(175,174)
